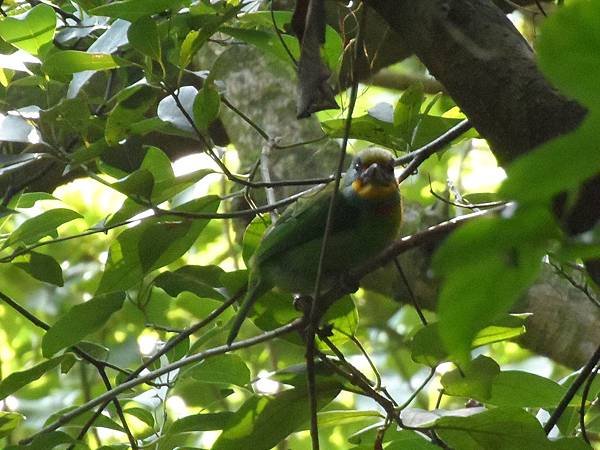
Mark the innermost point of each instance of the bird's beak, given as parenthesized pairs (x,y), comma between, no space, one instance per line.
(377,175)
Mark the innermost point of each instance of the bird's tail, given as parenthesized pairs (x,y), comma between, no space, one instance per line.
(255,290)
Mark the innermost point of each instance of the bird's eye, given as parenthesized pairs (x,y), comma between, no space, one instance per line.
(358,165)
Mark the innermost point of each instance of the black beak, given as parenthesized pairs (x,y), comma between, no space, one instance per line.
(378,175)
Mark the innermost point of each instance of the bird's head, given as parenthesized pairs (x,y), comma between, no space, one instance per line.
(371,174)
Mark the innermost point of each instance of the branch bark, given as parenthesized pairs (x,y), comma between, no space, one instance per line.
(489,69)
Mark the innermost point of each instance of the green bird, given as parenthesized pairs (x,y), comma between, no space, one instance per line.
(366,219)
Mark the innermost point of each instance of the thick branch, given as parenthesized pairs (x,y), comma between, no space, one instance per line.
(487,67)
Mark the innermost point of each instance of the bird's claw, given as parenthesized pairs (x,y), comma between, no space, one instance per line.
(303,303)
(325,330)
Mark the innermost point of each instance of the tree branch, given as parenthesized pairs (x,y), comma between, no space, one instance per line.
(113,393)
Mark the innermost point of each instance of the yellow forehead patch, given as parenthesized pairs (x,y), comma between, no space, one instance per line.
(371,191)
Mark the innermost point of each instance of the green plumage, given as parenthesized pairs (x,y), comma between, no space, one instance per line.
(364,223)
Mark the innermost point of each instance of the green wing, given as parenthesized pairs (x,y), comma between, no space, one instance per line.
(304,221)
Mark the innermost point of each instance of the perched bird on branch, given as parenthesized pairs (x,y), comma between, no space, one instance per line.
(366,219)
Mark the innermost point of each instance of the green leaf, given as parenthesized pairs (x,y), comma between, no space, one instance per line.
(222,369)
(523,389)
(296,375)
(163,190)
(266,41)
(67,364)
(154,243)
(8,422)
(486,264)
(569,50)
(128,111)
(69,119)
(398,439)
(29,199)
(80,321)
(159,164)
(406,112)
(342,417)
(199,280)
(142,414)
(67,62)
(179,351)
(412,441)
(473,380)
(427,347)
(201,422)
(48,441)
(40,226)
(262,422)
(161,242)
(542,173)
(196,39)
(17,380)
(504,329)
(188,48)
(42,267)
(206,106)
(382,132)
(132,10)
(30,31)
(498,429)
(343,316)
(101,421)
(91,348)
(143,35)
(138,184)
(252,237)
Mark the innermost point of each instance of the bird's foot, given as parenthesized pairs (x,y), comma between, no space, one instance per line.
(303,303)
(325,330)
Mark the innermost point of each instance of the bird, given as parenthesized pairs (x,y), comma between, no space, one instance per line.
(366,219)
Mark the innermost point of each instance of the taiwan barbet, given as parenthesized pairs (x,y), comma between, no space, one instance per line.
(366,219)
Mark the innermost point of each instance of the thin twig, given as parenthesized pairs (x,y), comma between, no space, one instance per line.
(362,349)
(61,12)
(416,158)
(572,391)
(24,250)
(581,287)
(119,410)
(98,364)
(278,32)
(401,245)
(159,212)
(113,393)
(232,214)
(539,5)
(471,206)
(266,176)
(584,396)
(315,310)
(245,118)
(163,351)
(416,392)
(410,292)
(263,133)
